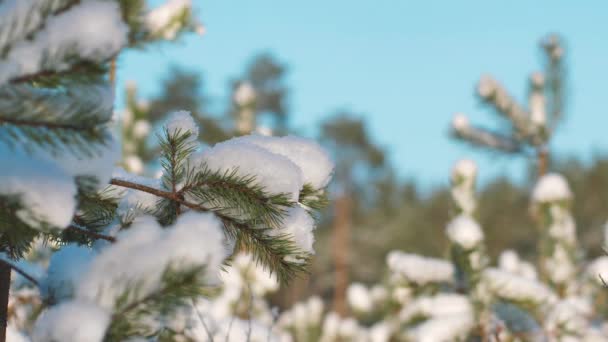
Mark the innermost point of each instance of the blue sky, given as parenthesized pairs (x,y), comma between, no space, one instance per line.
(405,66)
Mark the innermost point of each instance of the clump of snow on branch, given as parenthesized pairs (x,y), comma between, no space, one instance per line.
(551,187)
(72,321)
(277,174)
(358,297)
(73,32)
(513,287)
(299,225)
(66,267)
(464,231)
(181,122)
(46,191)
(145,251)
(310,157)
(418,269)
(510,261)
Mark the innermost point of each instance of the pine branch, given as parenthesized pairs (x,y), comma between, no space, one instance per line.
(178,288)
(72,118)
(235,196)
(96,236)
(273,251)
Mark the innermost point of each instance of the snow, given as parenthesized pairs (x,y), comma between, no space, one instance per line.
(299,225)
(141,128)
(512,287)
(315,163)
(536,103)
(135,202)
(509,261)
(245,272)
(460,122)
(442,329)
(19,18)
(182,122)
(72,321)
(276,173)
(134,164)
(13,335)
(487,86)
(418,269)
(75,31)
(162,20)
(464,169)
(436,306)
(144,251)
(464,231)
(238,330)
(358,298)
(598,269)
(100,165)
(550,188)
(46,192)
(66,267)
(569,315)
(244,94)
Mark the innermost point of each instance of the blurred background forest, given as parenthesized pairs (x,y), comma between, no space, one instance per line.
(376,83)
(374,209)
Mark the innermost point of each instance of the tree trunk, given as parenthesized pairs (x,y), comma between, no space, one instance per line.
(5,285)
(542,161)
(341,241)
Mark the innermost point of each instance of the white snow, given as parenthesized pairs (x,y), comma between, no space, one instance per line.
(244,94)
(598,269)
(460,122)
(315,163)
(135,202)
(513,287)
(163,19)
(359,298)
(238,330)
(100,165)
(464,231)
(144,251)
(551,187)
(75,30)
(66,267)
(509,261)
(46,192)
(536,103)
(487,86)
(299,225)
(182,122)
(419,269)
(276,173)
(465,169)
(72,321)
(442,329)
(14,335)
(141,128)
(435,306)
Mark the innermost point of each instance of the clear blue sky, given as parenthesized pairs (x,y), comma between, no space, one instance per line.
(406,66)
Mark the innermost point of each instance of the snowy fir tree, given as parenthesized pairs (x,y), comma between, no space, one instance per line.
(96,248)
(129,257)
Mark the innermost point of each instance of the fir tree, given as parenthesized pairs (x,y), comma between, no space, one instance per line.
(132,251)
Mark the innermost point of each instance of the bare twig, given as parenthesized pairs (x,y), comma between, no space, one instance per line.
(94,235)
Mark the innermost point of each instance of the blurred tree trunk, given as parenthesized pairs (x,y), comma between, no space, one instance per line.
(5,285)
(542,161)
(341,242)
